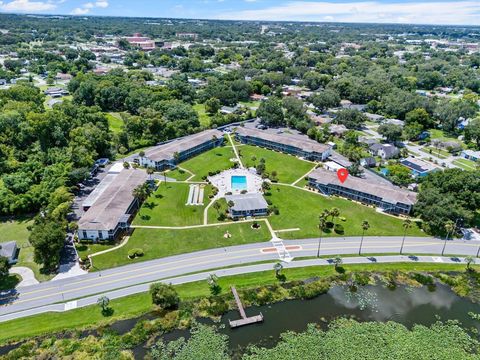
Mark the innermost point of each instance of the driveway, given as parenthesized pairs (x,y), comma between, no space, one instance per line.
(28,277)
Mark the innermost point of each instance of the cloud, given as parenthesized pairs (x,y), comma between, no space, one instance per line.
(420,12)
(85,8)
(101,4)
(26,6)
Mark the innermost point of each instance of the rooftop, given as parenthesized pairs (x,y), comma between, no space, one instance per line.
(114,201)
(8,249)
(283,137)
(167,150)
(246,202)
(418,165)
(388,194)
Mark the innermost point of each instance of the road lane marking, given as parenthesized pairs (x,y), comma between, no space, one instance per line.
(253,250)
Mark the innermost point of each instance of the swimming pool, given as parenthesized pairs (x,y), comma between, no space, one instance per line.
(239,183)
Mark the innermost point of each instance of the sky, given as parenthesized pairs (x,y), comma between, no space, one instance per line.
(465,12)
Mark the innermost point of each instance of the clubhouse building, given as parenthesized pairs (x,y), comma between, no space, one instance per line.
(168,155)
(388,198)
(110,209)
(247,205)
(285,141)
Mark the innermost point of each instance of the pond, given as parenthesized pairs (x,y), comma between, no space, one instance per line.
(404,305)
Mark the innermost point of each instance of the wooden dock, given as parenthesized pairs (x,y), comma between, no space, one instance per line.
(244,319)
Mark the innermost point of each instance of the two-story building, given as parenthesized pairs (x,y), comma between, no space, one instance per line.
(284,141)
(388,198)
(168,155)
(112,210)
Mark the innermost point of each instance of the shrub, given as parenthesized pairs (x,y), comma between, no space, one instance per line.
(165,296)
(310,290)
(339,229)
(423,279)
(134,253)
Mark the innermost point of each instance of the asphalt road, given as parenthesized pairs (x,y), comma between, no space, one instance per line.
(124,279)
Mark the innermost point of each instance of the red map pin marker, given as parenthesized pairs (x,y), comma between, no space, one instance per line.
(342,174)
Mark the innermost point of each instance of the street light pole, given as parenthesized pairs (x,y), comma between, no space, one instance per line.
(319,244)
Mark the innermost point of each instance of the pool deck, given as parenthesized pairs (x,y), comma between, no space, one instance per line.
(223,182)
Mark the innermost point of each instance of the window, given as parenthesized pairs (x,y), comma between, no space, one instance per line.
(100,235)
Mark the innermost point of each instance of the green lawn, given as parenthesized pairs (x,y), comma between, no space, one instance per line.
(85,249)
(440,135)
(17,231)
(166,207)
(212,160)
(180,175)
(289,168)
(300,209)
(214,214)
(115,122)
(202,115)
(135,305)
(439,153)
(465,164)
(158,243)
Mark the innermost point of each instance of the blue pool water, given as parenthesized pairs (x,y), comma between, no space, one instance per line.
(239,183)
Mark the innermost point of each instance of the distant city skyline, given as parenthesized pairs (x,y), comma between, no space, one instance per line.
(376,11)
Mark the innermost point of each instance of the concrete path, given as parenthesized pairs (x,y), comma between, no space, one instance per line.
(202,276)
(28,276)
(235,151)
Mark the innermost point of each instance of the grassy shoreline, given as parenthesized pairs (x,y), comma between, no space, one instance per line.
(136,305)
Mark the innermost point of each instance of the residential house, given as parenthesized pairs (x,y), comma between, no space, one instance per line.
(388,198)
(56,92)
(368,162)
(385,151)
(245,205)
(418,168)
(337,129)
(471,155)
(10,251)
(374,117)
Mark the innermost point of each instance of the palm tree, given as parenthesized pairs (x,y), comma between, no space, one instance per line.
(334,212)
(141,154)
(254,159)
(407,224)
(103,302)
(337,261)
(165,177)
(322,226)
(365,227)
(216,205)
(469,260)
(176,157)
(126,165)
(450,228)
(150,172)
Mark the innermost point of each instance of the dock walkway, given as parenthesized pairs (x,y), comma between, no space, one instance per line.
(244,319)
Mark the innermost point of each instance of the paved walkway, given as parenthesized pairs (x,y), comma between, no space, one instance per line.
(28,276)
